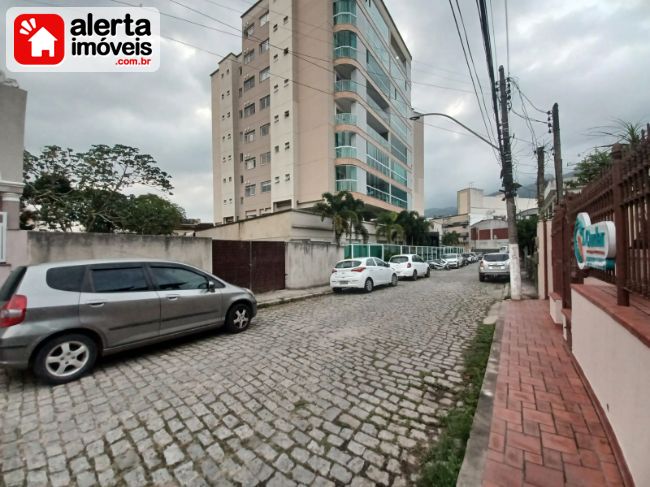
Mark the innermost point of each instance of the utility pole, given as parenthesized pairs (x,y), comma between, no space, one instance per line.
(540,179)
(510,192)
(557,151)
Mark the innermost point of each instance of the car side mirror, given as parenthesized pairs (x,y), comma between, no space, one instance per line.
(211,286)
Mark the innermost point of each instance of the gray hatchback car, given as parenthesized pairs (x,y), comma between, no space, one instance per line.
(58,318)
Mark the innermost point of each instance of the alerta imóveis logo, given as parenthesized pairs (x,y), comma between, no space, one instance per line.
(83,39)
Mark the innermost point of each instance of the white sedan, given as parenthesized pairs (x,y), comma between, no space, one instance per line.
(410,265)
(361,273)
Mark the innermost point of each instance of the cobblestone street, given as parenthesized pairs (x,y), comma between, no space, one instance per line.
(335,390)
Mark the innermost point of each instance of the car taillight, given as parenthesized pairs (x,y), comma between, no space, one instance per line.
(408,266)
(358,269)
(13,311)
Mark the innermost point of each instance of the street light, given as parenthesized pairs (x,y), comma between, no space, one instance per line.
(419,116)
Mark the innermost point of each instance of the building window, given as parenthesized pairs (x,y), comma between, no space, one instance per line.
(275,27)
(265,186)
(228,93)
(241,179)
(287,177)
(249,136)
(277,179)
(250,163)
(276,118)
(264,46)
(265,158)
(286,82)
(249,56)
(222,96)
(275,88)
(265,102)
(286,114)
(277,148)
(264,19)
(249,190)
(230,157)
(249,83)
(275,57)
(265,129)
(249,110)
(286,51)
(228,116)
(287,145)
(249,30)
(286,19)
(265,74)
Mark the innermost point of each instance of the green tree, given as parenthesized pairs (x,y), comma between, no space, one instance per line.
(416,227)
(149,214)
(527,233)
(592,165)
(451,238)
(67,188)
(344,211)
(388,228)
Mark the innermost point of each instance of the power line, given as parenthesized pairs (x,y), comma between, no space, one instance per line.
(507,39)
(469,50)
(462,44)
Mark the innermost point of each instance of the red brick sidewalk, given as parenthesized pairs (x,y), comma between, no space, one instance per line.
(545,430)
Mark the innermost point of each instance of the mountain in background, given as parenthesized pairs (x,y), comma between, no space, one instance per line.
(436,212)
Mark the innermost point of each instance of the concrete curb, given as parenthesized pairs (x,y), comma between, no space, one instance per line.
(275,302)
(471,472)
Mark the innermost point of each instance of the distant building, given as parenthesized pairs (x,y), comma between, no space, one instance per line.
(474,207)
(489,234)
(286,129)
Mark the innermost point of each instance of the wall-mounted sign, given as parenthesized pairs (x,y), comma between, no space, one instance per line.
(594,245)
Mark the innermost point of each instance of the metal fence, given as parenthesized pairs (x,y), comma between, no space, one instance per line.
(621,195)
(386,251)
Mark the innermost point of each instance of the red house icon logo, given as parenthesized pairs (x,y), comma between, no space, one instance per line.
(39,39)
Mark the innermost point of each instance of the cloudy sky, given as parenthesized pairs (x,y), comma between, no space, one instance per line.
(590,56)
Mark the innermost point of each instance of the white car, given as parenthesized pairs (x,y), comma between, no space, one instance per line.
(452,260)
(410,265)
(361,273)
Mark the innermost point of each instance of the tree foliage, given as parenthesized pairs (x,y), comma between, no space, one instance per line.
(527,233)
(416,228)
(388,228)
(451,238)
(65,189)
(152,215)
(346,213)
(592,165)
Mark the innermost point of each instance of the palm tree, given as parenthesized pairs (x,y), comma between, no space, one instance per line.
(342,209)
(359,208)
(388,227)
(416,227)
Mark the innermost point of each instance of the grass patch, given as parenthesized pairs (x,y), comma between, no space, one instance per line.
(441,464)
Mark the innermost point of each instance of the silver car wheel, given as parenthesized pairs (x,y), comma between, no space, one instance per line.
(67,358)
(241,319)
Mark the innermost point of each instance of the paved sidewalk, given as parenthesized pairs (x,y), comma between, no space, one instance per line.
(288,295)
(544,429)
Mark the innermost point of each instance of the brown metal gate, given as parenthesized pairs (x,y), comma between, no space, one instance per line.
(259,266)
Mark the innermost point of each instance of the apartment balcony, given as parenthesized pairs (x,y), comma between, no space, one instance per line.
(346,52)
(378,109)
(346,85)
(346,185)
(345,119)
(376,136)
(346,152)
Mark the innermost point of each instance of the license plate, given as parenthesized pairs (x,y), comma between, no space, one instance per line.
(343,282)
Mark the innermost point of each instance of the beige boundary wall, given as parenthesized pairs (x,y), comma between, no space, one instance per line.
(309,264)
(616,364)
(57,246)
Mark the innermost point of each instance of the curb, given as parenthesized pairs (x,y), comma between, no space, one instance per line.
(471,471)
(278,301)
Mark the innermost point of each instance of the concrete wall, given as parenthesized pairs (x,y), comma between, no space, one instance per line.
(55,247)
(309,264)
(544,250)
(616,363)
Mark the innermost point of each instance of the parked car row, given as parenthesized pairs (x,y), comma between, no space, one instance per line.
(453,261)
(368,272)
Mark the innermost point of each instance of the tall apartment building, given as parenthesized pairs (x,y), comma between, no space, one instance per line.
(318,100)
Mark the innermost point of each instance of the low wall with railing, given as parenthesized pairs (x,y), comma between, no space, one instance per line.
(386,251)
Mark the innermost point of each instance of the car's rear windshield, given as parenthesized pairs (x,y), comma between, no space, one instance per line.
(496,257)
(449,256)
(399,259)
(68,278)
(467,255)
(11,284)
(348,264)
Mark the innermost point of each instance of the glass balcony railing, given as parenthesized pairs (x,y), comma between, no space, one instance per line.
(347,152)
(398,202)
(346,185)
(345,18)
(345,119)
(380,111)
(346,85)
(345,52)
(378,138)
(376,193)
